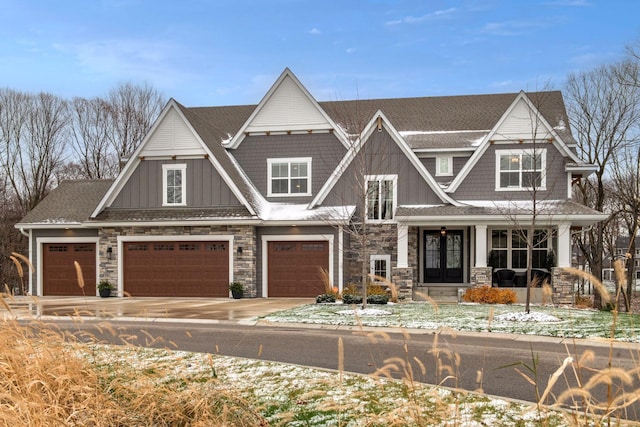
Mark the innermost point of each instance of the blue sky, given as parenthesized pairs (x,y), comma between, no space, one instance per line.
(229,52)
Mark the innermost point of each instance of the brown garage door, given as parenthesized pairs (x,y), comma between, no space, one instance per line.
(176,269)
(294,268)
(59,274)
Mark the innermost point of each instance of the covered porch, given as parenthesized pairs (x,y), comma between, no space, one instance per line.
(457,247)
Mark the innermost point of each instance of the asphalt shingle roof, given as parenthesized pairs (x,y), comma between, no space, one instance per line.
(479,113)
(70,202)
(173,214)
(548,207)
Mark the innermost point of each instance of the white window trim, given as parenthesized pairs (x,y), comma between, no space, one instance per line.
(542,152)
(510,249)
(373,259)
(172,167)
(449,171)
(288,160)
(394,179)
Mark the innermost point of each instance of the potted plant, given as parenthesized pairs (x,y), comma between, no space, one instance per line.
(104,288)
(236,290)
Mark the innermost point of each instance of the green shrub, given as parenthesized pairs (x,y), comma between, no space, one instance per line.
(489,295)
(325,298)
(351,299)
(378,299)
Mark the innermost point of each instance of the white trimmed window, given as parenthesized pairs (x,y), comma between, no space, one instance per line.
(289,177)
(444,166)
(521,169)
(381,197)
(508,248)
(380,266)
(174,185)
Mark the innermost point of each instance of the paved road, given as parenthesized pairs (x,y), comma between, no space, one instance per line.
(468,361)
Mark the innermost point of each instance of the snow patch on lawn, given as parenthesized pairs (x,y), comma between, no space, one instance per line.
(526,317)
(365,312)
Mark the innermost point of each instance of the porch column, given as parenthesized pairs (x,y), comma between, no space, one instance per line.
(564,245)
(481,246)
(403,246)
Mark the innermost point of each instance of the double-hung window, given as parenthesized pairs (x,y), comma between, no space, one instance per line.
(381,197)
(174,185)
(521,169)
(289,177)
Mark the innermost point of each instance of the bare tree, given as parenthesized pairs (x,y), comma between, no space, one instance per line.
(626,194)
(534,232)
(604,110)
(133,110)
(33,139)
(91,129)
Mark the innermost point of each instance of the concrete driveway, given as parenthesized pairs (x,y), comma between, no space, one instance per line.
(202,309)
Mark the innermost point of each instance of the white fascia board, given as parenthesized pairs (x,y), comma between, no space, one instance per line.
(422,170)
(499,220)
(234,142)
(133,162)
(434,151)
(557,140)
(357,146)
(482,148)
(50,225)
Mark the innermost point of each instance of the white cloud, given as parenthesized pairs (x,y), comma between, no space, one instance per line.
(315,32)
(350,50)
(419,19)
(511,28)
(129,59)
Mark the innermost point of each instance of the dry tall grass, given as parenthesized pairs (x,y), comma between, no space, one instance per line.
(46,381)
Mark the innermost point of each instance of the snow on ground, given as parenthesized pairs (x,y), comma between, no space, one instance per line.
(526,317)
(365,312)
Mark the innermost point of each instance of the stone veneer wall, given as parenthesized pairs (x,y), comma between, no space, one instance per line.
(481,276)
(382,239)
(244,265)
(562,284)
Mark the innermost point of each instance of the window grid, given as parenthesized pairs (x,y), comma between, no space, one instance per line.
(174,184)
(289,177)
(509,248)
(381,196)
(520,169)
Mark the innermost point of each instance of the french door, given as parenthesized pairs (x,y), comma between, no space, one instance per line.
(443,256)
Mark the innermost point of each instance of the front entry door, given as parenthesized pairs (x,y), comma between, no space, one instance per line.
(443,256)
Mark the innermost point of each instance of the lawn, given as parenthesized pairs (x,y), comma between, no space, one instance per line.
(46,380)
(542,320)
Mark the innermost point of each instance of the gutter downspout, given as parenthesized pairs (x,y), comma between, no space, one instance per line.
(24,233)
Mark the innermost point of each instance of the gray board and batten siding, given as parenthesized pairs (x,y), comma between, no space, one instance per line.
(205,187)
(324,149)
(381,156)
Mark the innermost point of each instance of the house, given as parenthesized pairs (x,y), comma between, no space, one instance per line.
(422,190)
(622,247)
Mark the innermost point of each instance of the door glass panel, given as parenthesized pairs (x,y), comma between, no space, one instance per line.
(432,251)
(454,251)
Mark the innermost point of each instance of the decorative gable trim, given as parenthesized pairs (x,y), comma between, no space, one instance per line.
(288,107)
(376,124)
(124,176)
(554,138)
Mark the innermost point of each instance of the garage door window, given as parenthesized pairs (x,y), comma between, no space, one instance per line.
(216,247)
